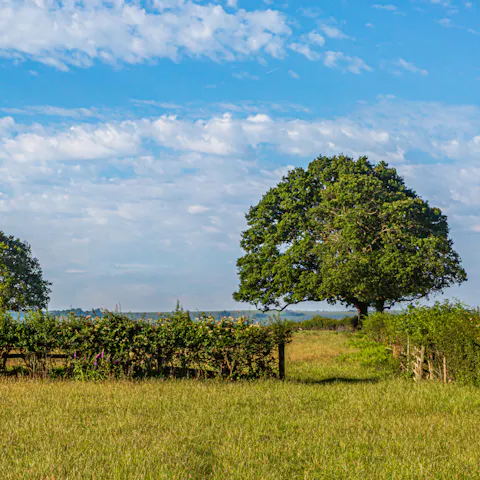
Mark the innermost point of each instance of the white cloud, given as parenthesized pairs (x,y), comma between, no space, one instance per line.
(70,33)
(6,123)
(438,130)
(445,22)
(294,74)
(176,200)
(333,32)
(339,59)
(245,76)
(331,59)
(197,209)
(449,23)
(218,135)
(389,7)
(316,39)
(81,142)
(52,111)
(410,67)
(305,50)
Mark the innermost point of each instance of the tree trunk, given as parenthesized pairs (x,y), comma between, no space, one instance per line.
(380,305)
(362,309)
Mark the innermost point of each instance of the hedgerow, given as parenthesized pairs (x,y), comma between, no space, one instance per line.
(116,346)
(439,342)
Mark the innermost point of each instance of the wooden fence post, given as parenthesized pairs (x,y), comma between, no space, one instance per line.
(281,360)
(408,354)
(420,359)
(444,369)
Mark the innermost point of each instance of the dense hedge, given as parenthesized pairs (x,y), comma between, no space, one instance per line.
(440,342)
(115,345)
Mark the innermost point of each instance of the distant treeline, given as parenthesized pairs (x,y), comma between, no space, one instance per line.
(319,322)
(255,315)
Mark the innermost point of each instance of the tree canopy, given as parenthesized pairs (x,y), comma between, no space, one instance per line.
(348,231)
(22,285)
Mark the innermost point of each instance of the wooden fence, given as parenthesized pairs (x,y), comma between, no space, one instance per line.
(415,360)
(62,356)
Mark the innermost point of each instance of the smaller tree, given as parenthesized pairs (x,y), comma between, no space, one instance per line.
(22,286)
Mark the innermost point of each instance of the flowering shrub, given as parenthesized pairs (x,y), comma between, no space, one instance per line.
(116,346)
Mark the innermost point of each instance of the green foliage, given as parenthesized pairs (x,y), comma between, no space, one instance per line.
(318,322)
(116,346)
(21,280)
(37,338)
(111,345)
(8,337)
(371,354)
(344,230)
(281,329)
(448,330)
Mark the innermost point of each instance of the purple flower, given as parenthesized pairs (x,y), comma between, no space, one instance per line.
(96,356)
(103,353)
(95,363)
(75,355)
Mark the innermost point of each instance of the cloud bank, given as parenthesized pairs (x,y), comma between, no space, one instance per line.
(114,205)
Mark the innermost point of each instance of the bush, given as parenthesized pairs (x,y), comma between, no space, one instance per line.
(444,340)
(115,345)
(8,337)
(37,338)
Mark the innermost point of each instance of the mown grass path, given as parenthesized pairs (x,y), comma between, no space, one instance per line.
(330,419)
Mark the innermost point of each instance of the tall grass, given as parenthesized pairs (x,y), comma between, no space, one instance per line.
(328,420)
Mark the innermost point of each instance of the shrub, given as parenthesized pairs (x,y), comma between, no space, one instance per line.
(8,337)
(443,339)
(115,345)
(37,338)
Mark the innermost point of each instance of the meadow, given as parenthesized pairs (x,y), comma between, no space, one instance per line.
(329,419)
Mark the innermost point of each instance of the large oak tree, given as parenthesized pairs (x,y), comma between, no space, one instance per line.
(348,231)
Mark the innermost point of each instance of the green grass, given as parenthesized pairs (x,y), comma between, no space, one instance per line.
(330,419)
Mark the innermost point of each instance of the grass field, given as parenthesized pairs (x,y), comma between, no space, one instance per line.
(329,419)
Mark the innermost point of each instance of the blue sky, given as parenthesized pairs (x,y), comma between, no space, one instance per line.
(135,135)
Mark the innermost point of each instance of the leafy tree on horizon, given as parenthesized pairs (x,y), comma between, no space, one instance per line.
(344,230)
(22,286)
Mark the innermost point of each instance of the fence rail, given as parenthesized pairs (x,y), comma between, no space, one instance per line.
(64,356)
(22,355)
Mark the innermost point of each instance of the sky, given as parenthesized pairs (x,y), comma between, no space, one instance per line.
(134,136)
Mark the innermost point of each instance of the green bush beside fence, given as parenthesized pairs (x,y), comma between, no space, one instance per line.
(117,346)
(440,342)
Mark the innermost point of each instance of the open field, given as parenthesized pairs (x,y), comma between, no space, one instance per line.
(330,419)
